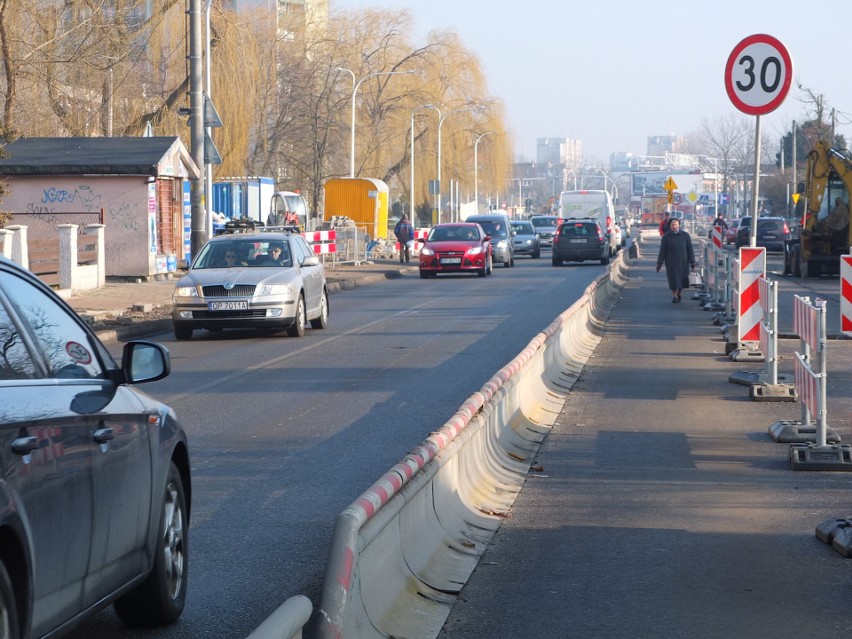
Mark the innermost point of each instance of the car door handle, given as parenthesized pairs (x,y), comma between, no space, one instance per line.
(103,435)
(24,445)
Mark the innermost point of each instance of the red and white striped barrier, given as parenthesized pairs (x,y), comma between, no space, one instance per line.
(322,241)
(751,268)
(807,385)
(419,240)
(717,237)
(846,294)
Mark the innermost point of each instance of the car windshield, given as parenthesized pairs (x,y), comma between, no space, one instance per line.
(242,253)
(544,221)
(578,229)
(523,228)
(453,233)
(493,228)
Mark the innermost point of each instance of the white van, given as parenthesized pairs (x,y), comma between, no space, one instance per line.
(595,204)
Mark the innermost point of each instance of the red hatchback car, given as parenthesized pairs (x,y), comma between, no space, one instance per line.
(456,248)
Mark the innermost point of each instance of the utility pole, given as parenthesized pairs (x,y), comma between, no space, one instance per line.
(198,223)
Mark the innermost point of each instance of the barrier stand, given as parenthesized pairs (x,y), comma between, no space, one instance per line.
(715,301)
(704,294)
(726,316)
(765,386)
(752,266)
(817,454)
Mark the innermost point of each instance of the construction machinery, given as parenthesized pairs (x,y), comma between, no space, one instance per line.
(817,250)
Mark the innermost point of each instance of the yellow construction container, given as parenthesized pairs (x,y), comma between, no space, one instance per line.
(364,200)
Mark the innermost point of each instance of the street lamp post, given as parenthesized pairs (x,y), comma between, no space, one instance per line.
(440,124)
(413,111)
(355,85)
(476,170)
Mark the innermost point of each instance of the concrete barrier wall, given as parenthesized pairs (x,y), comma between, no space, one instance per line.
(402,551)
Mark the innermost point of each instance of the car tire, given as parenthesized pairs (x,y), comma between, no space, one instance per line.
(298,327)
(489,261)
(322,321)
(182,332)
(536,254)
(556,261)
(605,260)
(8,607)
(483,271)
(159,600)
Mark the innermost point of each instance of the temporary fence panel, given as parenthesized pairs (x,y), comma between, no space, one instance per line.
(846,294)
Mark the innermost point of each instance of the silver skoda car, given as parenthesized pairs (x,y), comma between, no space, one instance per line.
(260,280)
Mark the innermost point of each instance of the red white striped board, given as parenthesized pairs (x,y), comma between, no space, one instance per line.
(322,241)
(763,285)
(751,268)
(717,238)
(846,294)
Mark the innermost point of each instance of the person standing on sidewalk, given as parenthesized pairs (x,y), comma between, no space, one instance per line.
(676,253)
(404,233)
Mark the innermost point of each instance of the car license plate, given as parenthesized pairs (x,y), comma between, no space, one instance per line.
(227,306)
(450,260)
(576,241)
(769,236)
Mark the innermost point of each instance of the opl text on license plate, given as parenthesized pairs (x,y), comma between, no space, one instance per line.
(228,306)
(450,260)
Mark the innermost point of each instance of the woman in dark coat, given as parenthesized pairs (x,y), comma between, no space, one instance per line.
(676,252)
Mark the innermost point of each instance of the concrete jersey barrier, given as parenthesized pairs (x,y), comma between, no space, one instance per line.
(402,551)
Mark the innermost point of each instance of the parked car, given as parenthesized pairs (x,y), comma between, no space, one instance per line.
(578,240)
(731,231)
(94,474)
(461,247)
(772,232)
(545,226)
(238,280)
(497,227)
(526,241)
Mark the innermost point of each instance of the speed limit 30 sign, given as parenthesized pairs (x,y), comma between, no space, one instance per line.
(758,74)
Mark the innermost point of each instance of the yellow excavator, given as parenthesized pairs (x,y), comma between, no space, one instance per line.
(817,250)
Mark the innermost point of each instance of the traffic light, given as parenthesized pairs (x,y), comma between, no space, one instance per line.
(778,159)
(528,205)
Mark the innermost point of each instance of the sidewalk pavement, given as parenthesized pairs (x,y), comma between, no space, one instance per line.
(660,506)
(124,310)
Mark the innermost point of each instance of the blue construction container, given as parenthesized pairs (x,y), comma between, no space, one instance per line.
(238,197)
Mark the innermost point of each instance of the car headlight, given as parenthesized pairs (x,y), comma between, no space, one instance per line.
(186,291)
(426,251)
(476,250)
(274,289)
(502,244)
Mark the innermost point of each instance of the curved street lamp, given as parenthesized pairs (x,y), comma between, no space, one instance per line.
(411,193)
(476,170)
(440,124)
(355,85)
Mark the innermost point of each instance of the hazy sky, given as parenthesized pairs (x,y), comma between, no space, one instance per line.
(611,73)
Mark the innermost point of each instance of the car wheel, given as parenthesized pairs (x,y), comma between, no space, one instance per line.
(322,320)
(484,270)
(605,260)
(536,254)
(556,261)
(423,275)
(298,327)
(490,262)
(159,600)
(8,609)
(182,332)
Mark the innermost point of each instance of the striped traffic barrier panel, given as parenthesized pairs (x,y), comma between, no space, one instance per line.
(752,266)
(765,386)
(419,240)
(717,237)
(322,242)
(812,452)
(846,294)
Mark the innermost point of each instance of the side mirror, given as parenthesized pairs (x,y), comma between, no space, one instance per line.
(311,260)
(487,238)
(144,362)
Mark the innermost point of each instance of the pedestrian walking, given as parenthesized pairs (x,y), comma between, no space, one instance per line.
(664,224)
(676,253)
(404,234)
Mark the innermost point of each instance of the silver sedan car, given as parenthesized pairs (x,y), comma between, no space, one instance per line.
(252,280)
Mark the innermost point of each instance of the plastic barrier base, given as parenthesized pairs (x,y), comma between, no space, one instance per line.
(750,378)
(813,457)
(743,354)
(773,393)
(795,432)
(714,306)
(838,533)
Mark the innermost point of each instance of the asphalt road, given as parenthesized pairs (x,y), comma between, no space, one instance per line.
(285,432)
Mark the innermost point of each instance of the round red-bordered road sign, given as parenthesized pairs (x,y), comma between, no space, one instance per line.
(758,74)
